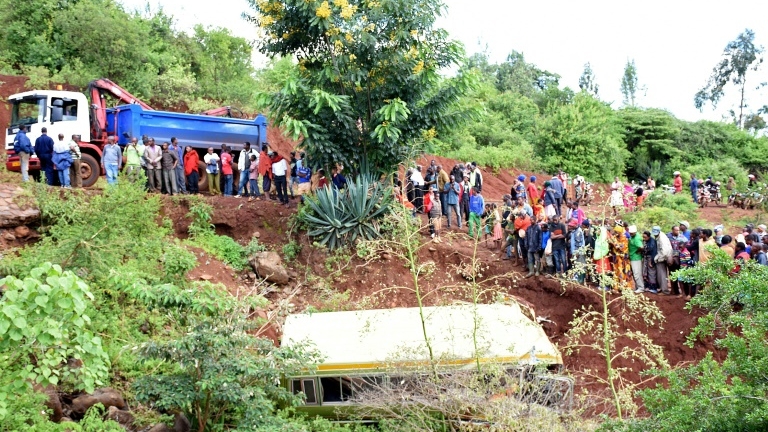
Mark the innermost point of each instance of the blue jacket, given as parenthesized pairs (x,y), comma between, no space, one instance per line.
(62,160)
(549,197)
(544,239)
(577,240)
(453,193)
(22,143)
(44,148)
(557,185)
(476,204)
(694,184)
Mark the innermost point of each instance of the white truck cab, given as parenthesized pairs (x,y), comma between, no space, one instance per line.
(59,111)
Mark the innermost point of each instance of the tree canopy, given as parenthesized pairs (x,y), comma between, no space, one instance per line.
(368,90)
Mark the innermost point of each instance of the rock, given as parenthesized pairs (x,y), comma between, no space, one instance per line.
(125,418)
(53,403)
(257,234)
(21,231)
(181,423)
(12,214)
(386,256)
(205,277)
(8,236)
(269,265)
(66,419)
(160,427)
(106,396)
(251,275)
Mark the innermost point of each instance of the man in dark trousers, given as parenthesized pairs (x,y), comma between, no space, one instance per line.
(44,152)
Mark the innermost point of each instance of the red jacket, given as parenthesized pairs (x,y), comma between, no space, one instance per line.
(265,165)
(191,160)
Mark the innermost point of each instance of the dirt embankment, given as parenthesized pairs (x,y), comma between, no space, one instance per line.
(325,281)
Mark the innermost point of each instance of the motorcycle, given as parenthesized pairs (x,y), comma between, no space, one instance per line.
(714,194)
(753,200)
(704,197)
(736,199)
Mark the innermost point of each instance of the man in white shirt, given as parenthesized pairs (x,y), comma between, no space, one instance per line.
(418,189)
(212,169)
(243,165)
(279,171)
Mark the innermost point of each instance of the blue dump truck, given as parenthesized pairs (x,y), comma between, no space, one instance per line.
(70,113)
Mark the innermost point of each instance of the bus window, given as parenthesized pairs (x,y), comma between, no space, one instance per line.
(336,389)
(306,386)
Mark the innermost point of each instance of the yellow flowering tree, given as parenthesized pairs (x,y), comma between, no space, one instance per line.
(369,88)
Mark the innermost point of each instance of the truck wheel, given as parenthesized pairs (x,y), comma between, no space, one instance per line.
(89,170)
(202,184)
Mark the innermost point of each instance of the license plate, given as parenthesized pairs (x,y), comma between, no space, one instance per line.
(15,164)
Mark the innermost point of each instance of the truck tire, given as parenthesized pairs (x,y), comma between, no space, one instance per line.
(202,184)
(89,170)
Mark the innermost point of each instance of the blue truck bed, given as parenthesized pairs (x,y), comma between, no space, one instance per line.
(198,131)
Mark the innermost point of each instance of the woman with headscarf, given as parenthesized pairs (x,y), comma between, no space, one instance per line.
(619,253)
(532,191)
(520,190)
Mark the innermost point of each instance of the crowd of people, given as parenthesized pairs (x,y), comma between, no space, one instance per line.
(540,228)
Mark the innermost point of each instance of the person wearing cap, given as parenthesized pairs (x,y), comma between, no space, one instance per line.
(684,230)
(663,256)
(718,235)
(519,188)
(44,152)
(678,182)
(636,249)
(761,232)
(532,191)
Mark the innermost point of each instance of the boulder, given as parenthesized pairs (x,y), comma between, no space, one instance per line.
(53,403)
(125,418)
(160,427)
(15,208)
(106,396)
(269,265)
(21,231)
(181,423)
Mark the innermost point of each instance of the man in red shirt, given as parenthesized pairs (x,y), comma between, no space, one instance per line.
(226,171)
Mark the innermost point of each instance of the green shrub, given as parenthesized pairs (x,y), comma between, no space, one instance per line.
(177,261)
(44,324)
(291,250)
(506,155)
(681,202)
(202,235)
(340,218)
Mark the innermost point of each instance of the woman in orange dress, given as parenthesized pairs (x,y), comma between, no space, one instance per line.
(620,254)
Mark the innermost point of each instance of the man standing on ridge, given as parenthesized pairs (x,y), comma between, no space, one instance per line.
(181,179)
(559,189)
(23,147)
(694,186)
(44,152)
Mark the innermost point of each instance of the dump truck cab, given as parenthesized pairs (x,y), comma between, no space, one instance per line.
(62,112)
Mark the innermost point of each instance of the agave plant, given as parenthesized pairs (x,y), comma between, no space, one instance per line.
(340,218)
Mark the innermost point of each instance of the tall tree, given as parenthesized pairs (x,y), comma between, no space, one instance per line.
(587,80)
(740,57)
(629,85)
(368,90)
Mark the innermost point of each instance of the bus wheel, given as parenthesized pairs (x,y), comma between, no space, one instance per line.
(89,170)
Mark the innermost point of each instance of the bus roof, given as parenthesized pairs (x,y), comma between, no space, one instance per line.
(374,339)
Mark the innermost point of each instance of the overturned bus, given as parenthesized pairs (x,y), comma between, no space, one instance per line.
(366,350)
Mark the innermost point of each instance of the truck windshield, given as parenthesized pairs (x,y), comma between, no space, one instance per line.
(27,111)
